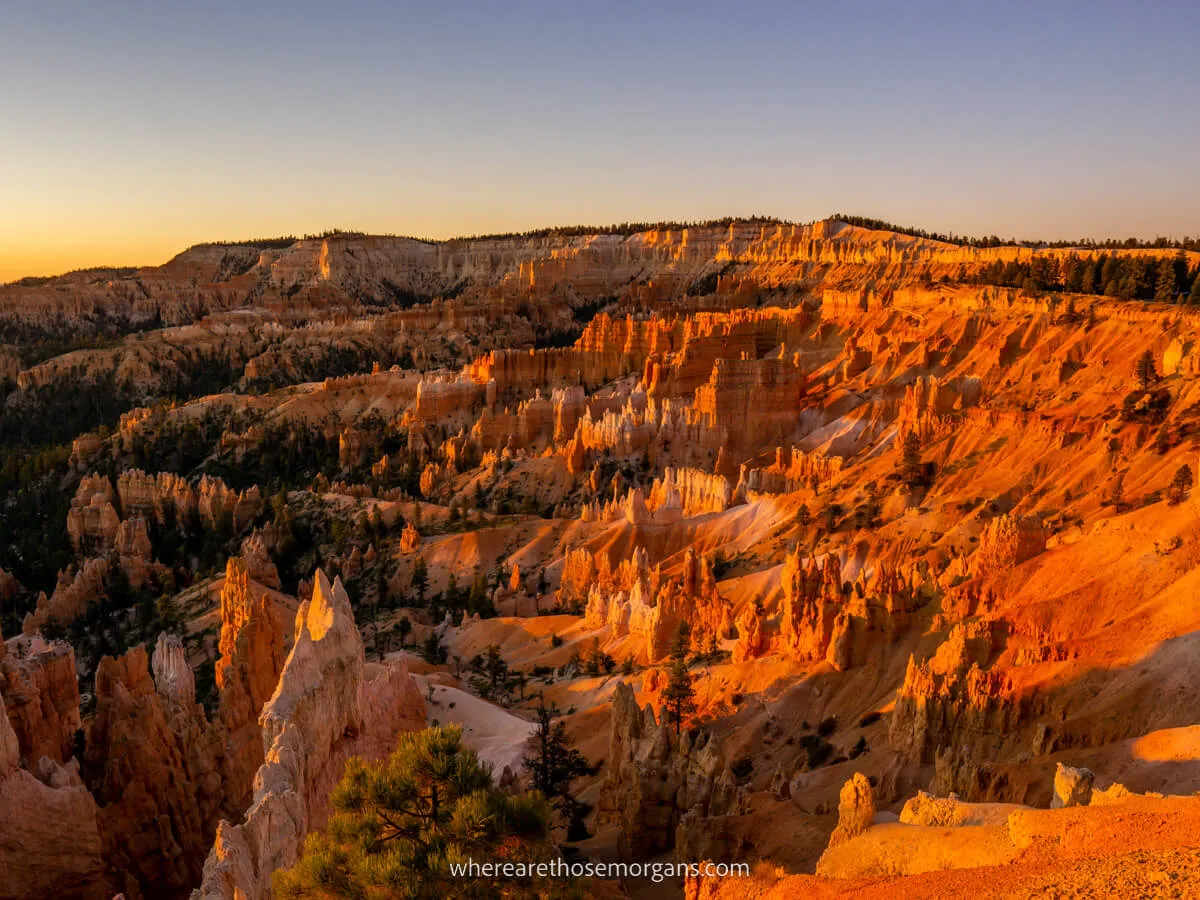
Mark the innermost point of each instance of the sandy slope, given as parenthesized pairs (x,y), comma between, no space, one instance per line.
(496,735)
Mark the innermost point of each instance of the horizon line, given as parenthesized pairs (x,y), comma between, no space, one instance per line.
(631,228)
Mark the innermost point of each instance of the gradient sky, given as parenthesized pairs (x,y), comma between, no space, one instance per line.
(129,130)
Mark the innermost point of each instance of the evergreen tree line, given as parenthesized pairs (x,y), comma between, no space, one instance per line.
(992,240)
(1162,279)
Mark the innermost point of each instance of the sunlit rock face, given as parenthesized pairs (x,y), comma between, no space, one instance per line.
(316,719)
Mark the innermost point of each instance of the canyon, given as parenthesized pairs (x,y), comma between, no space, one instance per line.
(929,538)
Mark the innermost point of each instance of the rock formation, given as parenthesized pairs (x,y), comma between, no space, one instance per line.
(843,623)
(691,598)
(812,597)
(168,496)
(751,640)
(634,601)
(92,520)
(1072,787)
(159,775)
(133,549)
(745,392)
(578,575)
(1006,542)
(259,565)
(786,472)
(928,404)
(315,720)
(253,648)
(173,678)
(40,691)
(410,539)
(9,586)
(856,809)
(152,766)
(50,843)
(953,698)
(940,812)
(76,589)
(658,788)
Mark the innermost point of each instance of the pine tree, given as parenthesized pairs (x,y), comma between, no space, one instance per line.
(1110,274)
(1181,485)
(553,765)
(1117,495)
(1145,371)
(912,470)
(1164,287)
(495,666)
(404,629)
(398,823)
(594,659)
(433,650)
(420,578)
(1128,288)
(1162,440)
(679,695)
(1072,274)
(1052,276)
(478,600)
(1087,280)
(1194,295)
(1142,276)
(803,516)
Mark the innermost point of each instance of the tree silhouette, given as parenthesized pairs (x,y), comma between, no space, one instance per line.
(1164,287)
(912,469)
(420,578)
(433,650)
(679,695)
(494,666)
(554,764)
(1181,485)
(803,516)
(1145,371)
(404,629)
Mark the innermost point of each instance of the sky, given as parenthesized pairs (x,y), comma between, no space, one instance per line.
(131,129)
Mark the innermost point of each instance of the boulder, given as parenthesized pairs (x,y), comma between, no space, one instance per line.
(1072,787)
